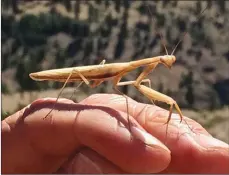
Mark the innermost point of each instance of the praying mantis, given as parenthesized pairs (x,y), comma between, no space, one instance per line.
(115,72)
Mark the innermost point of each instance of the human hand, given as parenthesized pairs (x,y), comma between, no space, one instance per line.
(89,137)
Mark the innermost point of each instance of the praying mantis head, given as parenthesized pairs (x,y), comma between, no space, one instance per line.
(168,60)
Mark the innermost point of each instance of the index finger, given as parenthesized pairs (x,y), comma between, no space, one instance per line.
(192,151)
(44,144)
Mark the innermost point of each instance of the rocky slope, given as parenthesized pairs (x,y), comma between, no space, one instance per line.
(44,35)
(38,35)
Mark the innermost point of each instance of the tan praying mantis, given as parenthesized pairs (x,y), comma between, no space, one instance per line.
(115,71)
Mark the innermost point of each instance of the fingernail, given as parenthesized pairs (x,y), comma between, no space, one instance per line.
(210,142)
(147,138)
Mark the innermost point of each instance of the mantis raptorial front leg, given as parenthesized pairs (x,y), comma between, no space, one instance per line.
(133,82)
(144,73)
(117,83)
(152,94)
(155,95)
(141,77)
(139,80)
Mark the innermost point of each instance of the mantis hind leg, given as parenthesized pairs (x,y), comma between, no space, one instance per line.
(95,82)
(65,83)
(61,90)
(84,81)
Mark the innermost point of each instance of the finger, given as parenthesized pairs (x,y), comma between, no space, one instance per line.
(192,151)
(140,111)
(34,145)
(45,144)
(88,161)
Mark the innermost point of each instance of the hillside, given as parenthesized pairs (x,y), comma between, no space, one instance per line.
(40,35)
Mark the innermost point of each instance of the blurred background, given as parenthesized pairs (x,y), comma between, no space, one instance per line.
(41,35)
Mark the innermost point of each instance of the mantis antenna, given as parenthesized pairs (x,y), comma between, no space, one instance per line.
(163,42)
(187,32)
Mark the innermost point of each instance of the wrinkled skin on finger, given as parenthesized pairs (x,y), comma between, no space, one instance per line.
(193,149)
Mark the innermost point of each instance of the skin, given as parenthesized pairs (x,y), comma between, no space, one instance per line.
(92,137)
